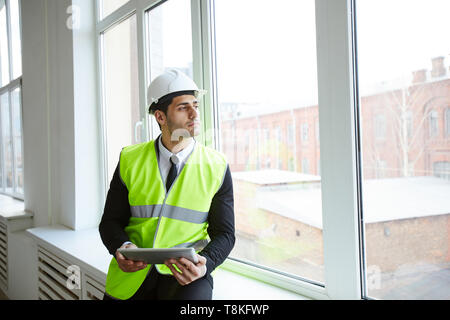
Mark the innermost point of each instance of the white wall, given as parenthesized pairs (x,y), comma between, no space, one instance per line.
(88,175)
(35,101)
(60,114)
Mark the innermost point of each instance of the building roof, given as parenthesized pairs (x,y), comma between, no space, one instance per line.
(252,110)
(275,177)
(383,200)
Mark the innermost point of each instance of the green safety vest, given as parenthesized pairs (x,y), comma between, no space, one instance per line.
(160,219)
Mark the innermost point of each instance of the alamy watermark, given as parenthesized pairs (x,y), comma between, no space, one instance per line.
(73,22)
(73,282)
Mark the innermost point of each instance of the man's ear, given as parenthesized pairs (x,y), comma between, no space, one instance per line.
(160,117)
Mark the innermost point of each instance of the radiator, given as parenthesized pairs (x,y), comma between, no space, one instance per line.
(56,281)
(59,279)
(93,289)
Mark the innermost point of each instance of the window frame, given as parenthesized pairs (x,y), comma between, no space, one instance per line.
(340,167)
(12,85)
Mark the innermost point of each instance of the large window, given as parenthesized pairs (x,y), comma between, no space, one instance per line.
(267,85)
(299,193)
(405,90)
(11,164)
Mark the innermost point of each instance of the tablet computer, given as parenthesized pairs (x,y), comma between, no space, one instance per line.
(158,255)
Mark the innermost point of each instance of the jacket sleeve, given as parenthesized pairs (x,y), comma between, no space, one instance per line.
(220,225)
(116,214)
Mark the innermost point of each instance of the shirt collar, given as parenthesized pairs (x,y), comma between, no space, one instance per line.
(182,155)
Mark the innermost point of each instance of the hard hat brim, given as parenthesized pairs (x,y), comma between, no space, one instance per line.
(198,94)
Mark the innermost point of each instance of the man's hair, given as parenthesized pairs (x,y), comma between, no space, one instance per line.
(164,103)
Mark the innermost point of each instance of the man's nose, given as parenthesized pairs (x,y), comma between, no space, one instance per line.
(193,112)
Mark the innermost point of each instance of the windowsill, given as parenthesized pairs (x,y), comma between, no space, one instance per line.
(86,249)
(12,209)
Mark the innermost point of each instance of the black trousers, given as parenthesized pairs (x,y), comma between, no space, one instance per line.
(165,287)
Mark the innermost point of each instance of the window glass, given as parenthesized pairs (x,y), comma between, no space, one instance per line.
(16,46)
(4,55)
(170,41)
(404,87)
(267,86)
(109,6)
(121,96)
(7,142)
(16,107)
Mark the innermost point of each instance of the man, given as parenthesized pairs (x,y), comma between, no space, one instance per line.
(169,192)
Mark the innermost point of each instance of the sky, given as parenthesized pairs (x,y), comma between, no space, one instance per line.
(396,37)
(266,50)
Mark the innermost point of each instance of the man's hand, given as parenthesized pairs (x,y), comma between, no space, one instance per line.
(189,271)
(129,265)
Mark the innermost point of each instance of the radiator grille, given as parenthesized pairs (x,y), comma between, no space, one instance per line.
(3,257)
(55,281)
(94,289)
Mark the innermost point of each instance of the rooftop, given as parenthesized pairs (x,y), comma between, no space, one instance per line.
(383,199)
(274,177)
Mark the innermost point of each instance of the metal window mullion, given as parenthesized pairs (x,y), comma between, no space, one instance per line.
(98,10)
(102,112)
(202,66)
(338,149)
(8,28)
(99,79)
(142,67)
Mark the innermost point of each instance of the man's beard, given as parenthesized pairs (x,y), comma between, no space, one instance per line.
(178,134)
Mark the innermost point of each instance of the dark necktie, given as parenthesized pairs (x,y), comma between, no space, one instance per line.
(172,175)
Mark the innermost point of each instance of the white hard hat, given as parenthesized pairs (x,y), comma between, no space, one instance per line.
(169,82)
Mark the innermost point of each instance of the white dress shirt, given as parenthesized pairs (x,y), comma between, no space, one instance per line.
(180,158)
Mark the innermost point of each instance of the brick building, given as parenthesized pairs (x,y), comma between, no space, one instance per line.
(405,131)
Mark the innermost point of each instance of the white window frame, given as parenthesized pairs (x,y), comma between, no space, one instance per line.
(339,149)
(10,87)
(340,163)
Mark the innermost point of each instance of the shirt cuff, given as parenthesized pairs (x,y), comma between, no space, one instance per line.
(126,242)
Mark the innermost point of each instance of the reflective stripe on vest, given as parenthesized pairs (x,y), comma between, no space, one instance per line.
(153,211)
(160,219)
